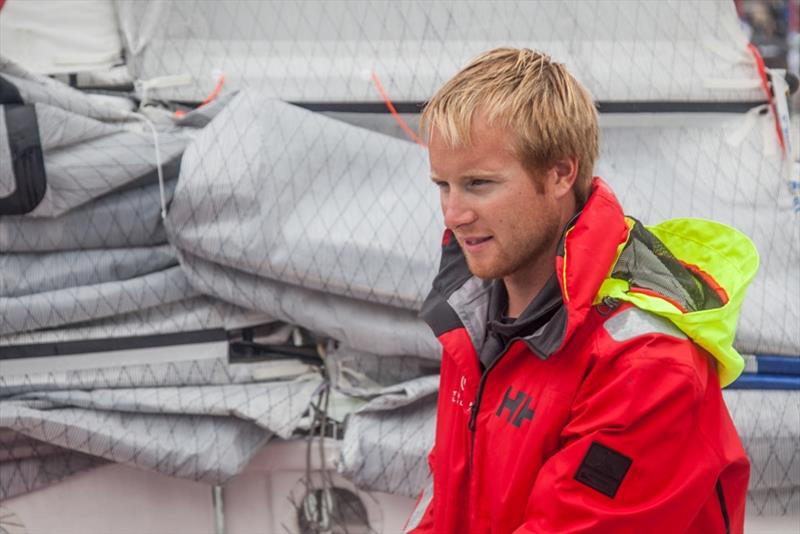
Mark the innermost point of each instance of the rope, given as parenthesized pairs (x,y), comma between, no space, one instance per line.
(159,170)
(207,100)
(393,111)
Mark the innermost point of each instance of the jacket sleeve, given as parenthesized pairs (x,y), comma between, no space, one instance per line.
(421,519)
(633,456)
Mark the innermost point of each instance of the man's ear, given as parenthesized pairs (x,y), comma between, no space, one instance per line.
(562,176)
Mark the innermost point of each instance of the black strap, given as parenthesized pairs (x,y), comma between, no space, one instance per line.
(9,94)
(27,160)
(61,348)
(607,106)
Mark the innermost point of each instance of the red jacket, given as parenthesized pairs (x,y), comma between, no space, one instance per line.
(609,419)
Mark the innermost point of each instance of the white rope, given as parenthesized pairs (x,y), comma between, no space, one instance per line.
(159,169)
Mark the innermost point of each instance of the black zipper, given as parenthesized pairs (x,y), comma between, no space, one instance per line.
(473,411)
(473,415)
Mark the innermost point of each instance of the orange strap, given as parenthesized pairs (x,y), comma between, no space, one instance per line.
(762,73)
(211,96)
(215,92)
(393,111)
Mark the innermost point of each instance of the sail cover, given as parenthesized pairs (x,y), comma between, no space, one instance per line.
(326,50)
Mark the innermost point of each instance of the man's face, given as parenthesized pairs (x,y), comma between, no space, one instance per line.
(505,224)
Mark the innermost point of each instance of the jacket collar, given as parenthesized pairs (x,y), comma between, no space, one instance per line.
(583,260)
(587,254)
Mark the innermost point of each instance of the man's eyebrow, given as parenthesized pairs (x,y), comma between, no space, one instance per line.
(470,175)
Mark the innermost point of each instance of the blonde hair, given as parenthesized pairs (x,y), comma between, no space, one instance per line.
(550,114)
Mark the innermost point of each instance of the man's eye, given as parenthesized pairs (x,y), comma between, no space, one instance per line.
(442,185)
(478,183)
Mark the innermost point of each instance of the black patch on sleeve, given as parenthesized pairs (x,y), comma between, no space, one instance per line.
(603,469)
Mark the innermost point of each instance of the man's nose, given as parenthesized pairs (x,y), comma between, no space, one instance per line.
(456,211)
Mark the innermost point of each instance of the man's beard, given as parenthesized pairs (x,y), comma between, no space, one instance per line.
(524,254)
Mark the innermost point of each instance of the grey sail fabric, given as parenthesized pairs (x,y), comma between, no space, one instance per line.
(166,374)
(128,218)
(185,315)
(93,253)
(389,430)
(207,448)
(24,274)
(280,412)
(91,263)
(198,418)
(367,375)
(62,307)
(52,276)
(37,89)
(311,221)
(27,464)
(323,50)
(96,163)
(308,201)
(768,423)
(90,148)
(365,326)
(387,441)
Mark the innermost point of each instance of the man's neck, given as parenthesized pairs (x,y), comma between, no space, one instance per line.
(523,286)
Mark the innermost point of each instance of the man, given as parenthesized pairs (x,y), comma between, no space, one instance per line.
(582,352)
